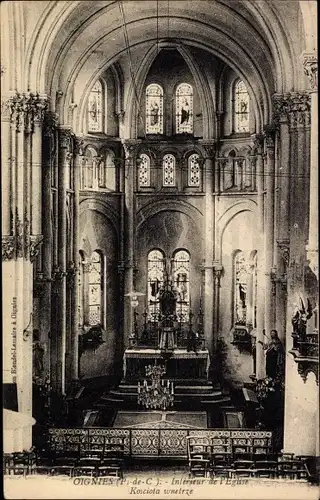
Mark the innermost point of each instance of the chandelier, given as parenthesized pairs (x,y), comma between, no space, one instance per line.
(158,395)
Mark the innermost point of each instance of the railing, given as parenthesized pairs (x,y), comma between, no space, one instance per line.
(157,442)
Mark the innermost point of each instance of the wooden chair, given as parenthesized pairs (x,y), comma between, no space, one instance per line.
(244,468)
(221,464)
(266,468)
(199,467)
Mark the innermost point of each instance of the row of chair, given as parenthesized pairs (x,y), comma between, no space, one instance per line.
(104,461)
(224,464)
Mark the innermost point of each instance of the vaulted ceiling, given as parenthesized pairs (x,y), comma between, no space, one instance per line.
(67,45)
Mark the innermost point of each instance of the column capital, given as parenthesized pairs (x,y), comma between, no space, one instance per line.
(310,67)
(270,134)
(258,142)
(65,137)
(25,109)
(284,246)
(21,244)
(130,147)
(210,148)
(79,146)
(294,107)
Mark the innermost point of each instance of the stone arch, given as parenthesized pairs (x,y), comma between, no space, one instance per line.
(154,208)
(104,209)
(229,214)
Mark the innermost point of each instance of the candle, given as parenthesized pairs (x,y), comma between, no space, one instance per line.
(171,387)
(138,387)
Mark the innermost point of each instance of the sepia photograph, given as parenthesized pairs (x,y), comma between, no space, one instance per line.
(160,281)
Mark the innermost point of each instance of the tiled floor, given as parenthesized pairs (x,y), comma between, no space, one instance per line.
(150,482)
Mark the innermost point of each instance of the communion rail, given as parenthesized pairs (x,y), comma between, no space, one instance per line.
(155,443)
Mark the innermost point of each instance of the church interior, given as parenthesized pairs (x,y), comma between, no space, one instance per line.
(160,237)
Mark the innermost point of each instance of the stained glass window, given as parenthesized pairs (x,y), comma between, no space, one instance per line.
(95,108)
(241,288)
(154,109)
(169,170)
(181,280)
(144,171)
(95,289)
(156,266)
(184,109)
(193,170)
(241,107)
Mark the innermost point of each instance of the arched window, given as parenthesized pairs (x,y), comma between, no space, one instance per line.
(144,171)
(181,280)
(184,109)
(193,170)
(169,170)
(241,107)
(154,109)
(156,267)
(240,288)
(95,289)
(96,108)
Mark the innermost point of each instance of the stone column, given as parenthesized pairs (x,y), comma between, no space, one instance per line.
(310,63)
(79,161)
(301,392)
(61,271)
(129,147)
(261,278)
(282,213)
(21,143)
(269,227)
(44,277)
(211,289)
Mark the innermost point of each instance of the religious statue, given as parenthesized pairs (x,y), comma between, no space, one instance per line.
(38,354)
(275,356)
(168,301)
(300,319)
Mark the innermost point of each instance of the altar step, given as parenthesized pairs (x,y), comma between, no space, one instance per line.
(125,396)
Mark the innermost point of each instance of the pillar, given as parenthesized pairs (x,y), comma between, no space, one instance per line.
(79,161)
(261,278)
(43,278)
(210,289)
(129,147)
(301,392)
(282,215)
(310,63)
(22,116)
(269,228)
(59,357)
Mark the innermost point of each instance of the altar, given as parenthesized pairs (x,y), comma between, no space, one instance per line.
(180,363)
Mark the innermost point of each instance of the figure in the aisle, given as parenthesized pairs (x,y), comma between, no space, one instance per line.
(275,356)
